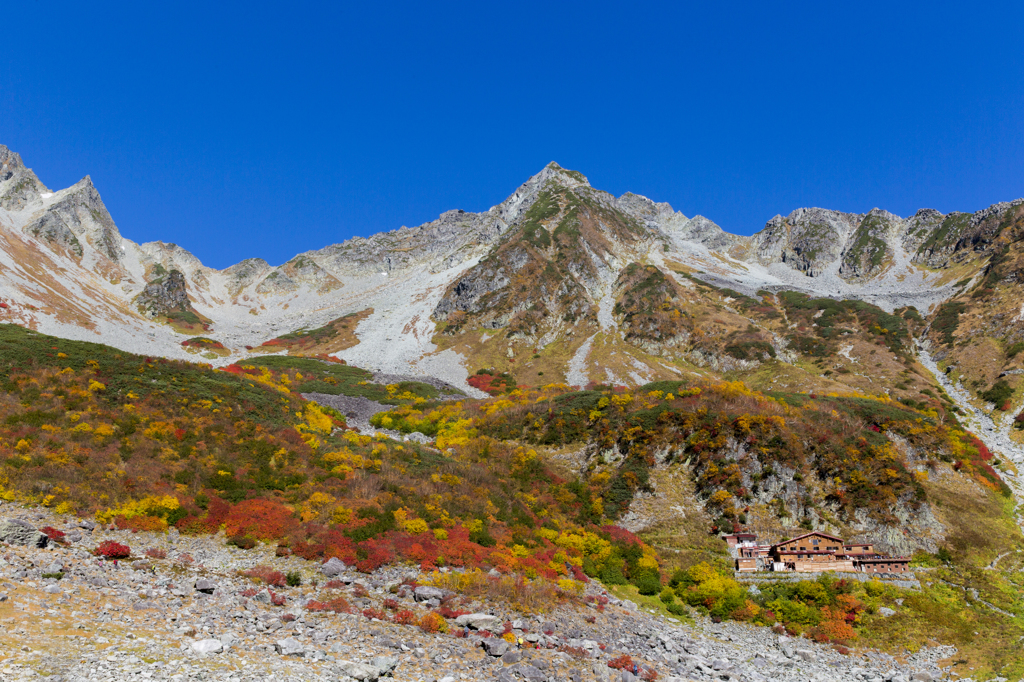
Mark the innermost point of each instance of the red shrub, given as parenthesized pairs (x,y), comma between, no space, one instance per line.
(156,553)
(448,612)
(404,617)
(336,605)
(375,613)
(249,592)
(53,534)
(112,550)
(334,585)
(623,662)
(277,599)
(267,575)
(391,604)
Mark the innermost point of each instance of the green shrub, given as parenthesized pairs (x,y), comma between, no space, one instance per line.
(293,578)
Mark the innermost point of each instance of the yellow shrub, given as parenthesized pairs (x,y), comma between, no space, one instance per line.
(147,506)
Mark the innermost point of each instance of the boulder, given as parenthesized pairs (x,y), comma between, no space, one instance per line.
(426,593)
(18,532)
(359,671)
(478,621)
(386,664)
(205,586)
(494,646)
(207,646)
(333,567)
(263,596)
(289,647)
(886,612)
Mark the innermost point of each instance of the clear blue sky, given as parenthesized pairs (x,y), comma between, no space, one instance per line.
(267,129)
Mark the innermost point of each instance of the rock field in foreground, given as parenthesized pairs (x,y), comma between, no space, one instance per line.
(185,617)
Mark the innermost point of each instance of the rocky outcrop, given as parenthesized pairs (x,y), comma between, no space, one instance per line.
(19,186)
(78,216)
(165,295)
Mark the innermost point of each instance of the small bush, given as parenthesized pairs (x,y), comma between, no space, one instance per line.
(648,584)
(293,578)
(432,623)
(267,575)
(623,662)
(336,605)
(56,576)
(54,534)
(156,553)
(241,541)
(404,617)
(109,549)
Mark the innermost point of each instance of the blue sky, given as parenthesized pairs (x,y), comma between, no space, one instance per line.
(267,129)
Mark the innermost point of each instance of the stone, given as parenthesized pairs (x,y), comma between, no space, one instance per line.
(228,639)
(385,664)
(289,647)
(807,655)
(512,657)
(208,646)
(478,621)
(886,612)
(263,596)
(719,664)
(18,532)
(359,671)
(921,677)
(494,646)
(426,593)
(333,567)
(205,586)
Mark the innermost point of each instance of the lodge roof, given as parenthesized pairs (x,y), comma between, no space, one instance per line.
(807,535)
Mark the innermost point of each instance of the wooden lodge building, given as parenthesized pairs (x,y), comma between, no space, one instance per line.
(810,553)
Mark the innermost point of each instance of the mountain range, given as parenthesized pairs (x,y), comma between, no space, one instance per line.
(560,282)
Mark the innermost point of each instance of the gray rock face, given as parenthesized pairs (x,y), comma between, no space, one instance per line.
(18,532)
(79,216)
(18,185)
(886,611)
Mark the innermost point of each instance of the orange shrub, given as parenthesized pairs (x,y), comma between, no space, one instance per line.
(433,622)
(260,519)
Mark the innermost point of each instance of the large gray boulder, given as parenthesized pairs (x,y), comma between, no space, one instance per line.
(18,532)
(208,646)
(359,671)
(494,646)
(386,664)
(289,647)
(426,593)
(333,567)
(478,621)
